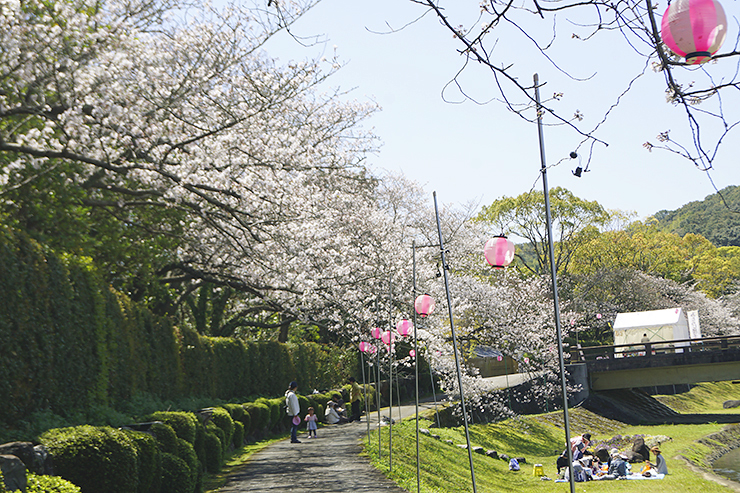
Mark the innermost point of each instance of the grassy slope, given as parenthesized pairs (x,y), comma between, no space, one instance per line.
(704,398)
(445,467)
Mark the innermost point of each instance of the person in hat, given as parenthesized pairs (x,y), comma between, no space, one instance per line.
(659,465)
(293,409)
(332,416)
(578,445)
(617,465)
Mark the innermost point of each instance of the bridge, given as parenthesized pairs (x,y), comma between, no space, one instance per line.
(611,376)
(681,361)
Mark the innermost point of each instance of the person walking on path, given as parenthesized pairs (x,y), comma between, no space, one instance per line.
(293,409)
(311,420)
(355,394)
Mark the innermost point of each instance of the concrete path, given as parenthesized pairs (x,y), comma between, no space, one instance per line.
(329,463)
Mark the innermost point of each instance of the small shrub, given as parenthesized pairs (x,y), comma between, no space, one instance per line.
(200,444)
(165,436)
(186,452)
(304,402)
(260,413)
(246,421)
(175,475)
(273,412)
(96,459)
(214,453)
(46,484)
(235,410)
(184,423)
(212,428)
(238,439)
(277,412)
(149,461)
(222,419)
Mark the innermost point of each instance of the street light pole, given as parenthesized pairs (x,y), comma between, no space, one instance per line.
(416,368)
(454,343)
(566,420)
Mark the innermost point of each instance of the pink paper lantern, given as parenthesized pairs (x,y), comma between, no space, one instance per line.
(526,361)
(499,358)
(412,353)
(694,29)
(364,346)
(376,332)
(499,252)
(598,316)
(424,305)
(388,337)
(404,327)
(371,349)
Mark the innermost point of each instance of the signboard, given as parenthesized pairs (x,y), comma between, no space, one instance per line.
(694,328)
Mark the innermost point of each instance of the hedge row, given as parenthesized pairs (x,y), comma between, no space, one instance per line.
(172,453)
(70,343)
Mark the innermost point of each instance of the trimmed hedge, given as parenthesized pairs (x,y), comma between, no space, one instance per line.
(94,458)
(260,416)
(238,439)
(186,452)
(45,484)
(214,452)
(85,345)
(183,423)
(222,419)
(175,475)
(165,436)
(148,461)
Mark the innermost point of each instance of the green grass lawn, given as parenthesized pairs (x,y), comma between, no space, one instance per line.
(704,398)
(540,439)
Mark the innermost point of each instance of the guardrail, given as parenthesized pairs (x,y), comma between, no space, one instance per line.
(646,350)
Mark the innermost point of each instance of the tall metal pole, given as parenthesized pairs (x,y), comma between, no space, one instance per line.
(434,394)
(390,375)
(416,367)
(377,397)
(454,343)
(364,386)
(553,272)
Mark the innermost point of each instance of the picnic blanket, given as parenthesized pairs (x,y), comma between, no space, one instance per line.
(636,475)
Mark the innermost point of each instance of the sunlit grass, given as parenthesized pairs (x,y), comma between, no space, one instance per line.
(445,467)
(704,398)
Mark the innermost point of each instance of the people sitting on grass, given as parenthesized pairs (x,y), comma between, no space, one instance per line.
(339,405)
(659,465)
(331,415)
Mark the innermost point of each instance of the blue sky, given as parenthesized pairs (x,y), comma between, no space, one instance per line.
(471,152)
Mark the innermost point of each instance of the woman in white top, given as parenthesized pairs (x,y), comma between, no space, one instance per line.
(332,416)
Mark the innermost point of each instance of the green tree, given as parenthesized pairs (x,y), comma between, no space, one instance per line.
(575,222)
(646,248)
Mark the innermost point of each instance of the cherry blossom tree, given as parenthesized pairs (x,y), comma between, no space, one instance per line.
(173,121)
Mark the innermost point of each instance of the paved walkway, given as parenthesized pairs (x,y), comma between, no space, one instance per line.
(329,463)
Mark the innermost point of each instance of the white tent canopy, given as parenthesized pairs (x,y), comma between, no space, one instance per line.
(658,326)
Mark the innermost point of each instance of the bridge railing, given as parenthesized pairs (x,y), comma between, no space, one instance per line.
(720,343)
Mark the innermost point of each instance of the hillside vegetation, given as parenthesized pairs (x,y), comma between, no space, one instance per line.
(715,218)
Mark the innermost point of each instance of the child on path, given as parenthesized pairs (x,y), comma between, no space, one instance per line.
(311,420)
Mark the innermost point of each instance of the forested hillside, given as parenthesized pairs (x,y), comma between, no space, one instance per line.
(717,218)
